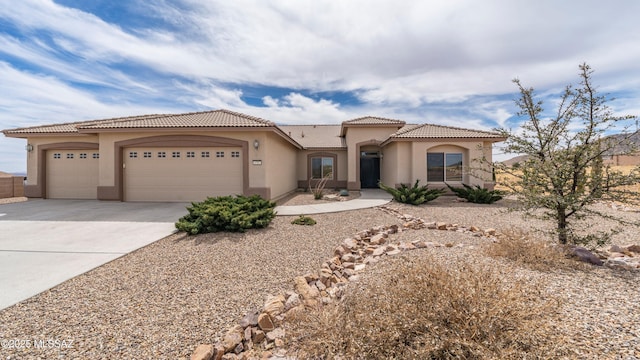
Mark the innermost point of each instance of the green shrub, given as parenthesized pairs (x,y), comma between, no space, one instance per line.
(304,220)
(227,213)
(415,195)
(477,194)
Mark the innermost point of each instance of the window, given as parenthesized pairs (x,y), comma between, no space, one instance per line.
(175,154)
(147,154)
(219,154)
(96,156)
(83,156)
(56,156)
(235,154)
(443,167)
(133,154)
(204,154)
(162,154)
(321,167)
(191,154)
(69,156)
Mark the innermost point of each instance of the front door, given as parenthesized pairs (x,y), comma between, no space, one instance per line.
(369,172)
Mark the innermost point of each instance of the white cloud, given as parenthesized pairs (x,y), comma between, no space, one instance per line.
(414,60)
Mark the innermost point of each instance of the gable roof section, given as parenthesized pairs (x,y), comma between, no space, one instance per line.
(430,131)
(316,136)
(370,121)
(373,120)
(205,119)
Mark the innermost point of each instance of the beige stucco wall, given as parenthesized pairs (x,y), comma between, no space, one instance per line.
(622,160)
(280,166)
(395,165)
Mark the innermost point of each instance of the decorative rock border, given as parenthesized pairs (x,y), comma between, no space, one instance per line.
(261,332)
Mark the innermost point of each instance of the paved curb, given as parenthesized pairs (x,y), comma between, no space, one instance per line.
(367,199)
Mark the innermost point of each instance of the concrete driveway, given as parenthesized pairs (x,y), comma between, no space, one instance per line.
(46,242)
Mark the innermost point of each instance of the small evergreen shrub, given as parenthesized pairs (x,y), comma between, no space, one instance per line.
(415,195)
(227,213)
(476,194)
(304,220)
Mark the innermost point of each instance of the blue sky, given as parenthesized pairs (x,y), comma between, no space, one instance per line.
(303,61)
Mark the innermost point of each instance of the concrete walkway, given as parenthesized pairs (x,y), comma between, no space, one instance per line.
(368,198)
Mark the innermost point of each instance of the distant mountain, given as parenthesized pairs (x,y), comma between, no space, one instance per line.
(517,159)
(633,142)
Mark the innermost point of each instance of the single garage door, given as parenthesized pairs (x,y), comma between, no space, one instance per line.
(72,174)
(181,174)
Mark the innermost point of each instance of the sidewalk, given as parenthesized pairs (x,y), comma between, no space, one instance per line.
(368,198)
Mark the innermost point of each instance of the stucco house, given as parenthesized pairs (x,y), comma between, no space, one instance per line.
(187,157)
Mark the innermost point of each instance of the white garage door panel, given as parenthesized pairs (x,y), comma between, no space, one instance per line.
(72,174)
(183,178)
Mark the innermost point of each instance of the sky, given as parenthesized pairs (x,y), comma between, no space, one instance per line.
(306,61)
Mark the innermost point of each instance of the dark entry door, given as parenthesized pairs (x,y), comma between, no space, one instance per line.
(369,172)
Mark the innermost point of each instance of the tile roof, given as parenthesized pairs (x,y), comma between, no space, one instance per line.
(216,118)
(431,131)
(373,120)
(315,136)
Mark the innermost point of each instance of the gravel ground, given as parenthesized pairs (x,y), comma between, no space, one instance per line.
(163,300)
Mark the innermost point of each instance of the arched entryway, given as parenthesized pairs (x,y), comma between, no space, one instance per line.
(369,167)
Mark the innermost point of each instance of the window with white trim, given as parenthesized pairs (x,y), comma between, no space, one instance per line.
(83,156)
(56,156)
(321,167)
(235,154)
(147,154)
(162,154)
(96,155)
(191,154)
(175,154)
(442,167)
(69,156)
(219,154)
(204,154)
(133,154)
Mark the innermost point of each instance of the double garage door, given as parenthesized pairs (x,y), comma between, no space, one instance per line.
(150,174)
(181,174)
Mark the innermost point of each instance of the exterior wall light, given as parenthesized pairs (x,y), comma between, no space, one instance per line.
(256,144)
(29,148)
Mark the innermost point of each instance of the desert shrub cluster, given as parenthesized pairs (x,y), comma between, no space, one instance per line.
(227,213)
(531,251)
(414,195)
(423,310)
(476,194)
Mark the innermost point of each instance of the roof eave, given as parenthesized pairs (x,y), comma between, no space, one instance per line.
(452,139)
(41,134)
(343,127)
